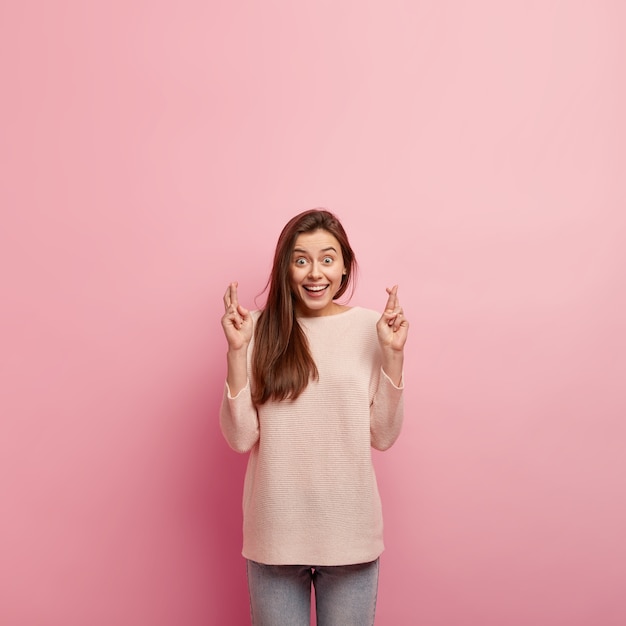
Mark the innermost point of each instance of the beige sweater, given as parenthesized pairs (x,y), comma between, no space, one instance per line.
(310,494)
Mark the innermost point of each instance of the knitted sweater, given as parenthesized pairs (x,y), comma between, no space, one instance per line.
(310,494)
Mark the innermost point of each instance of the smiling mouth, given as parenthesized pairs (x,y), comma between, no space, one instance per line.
(316,289)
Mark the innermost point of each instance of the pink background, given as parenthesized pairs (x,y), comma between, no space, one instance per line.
(151,152)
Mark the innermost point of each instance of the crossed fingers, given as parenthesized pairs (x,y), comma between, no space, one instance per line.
(231,306)
(394,310)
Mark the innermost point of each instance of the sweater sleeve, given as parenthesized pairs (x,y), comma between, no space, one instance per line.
(386,413)
(239,420)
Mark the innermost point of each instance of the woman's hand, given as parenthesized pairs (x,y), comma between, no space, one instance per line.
(237,321)
(392,328)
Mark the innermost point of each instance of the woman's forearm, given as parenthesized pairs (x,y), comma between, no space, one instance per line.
(237,370)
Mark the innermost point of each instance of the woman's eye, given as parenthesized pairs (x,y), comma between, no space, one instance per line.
(300,261)
(328,260)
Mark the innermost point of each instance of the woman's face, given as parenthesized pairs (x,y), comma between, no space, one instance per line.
(315,273)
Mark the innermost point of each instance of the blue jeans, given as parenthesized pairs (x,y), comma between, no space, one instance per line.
(345,595)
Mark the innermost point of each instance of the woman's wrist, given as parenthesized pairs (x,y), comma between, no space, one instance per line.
(393,364)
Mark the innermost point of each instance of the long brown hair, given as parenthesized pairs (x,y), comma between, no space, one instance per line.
(282,364)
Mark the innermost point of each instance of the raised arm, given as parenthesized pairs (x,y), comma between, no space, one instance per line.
(239,420)
(387,410)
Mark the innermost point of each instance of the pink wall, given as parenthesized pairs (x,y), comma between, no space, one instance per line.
(151,152)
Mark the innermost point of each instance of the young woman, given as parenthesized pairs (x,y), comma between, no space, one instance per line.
(311,386)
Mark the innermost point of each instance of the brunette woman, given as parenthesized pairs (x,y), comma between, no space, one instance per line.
(311,386)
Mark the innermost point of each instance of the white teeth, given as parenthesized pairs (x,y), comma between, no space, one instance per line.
(316,288)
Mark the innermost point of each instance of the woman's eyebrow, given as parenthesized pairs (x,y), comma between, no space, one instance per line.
(303,251)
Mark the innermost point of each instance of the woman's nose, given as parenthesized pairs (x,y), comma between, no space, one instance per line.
(315,270)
